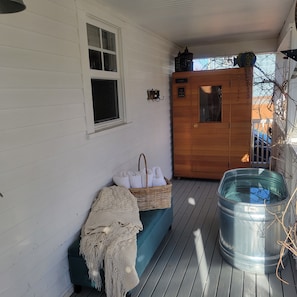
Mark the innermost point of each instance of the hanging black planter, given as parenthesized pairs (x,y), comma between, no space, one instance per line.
(245,59)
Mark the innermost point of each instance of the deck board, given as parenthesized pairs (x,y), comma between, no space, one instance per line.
(224,286)
(236,282)
(249,284)
(262,288)
(188,262)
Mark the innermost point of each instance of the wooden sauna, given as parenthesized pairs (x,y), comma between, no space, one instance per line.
(211,121)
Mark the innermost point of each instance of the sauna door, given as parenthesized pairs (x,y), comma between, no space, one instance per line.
(211,121)
(210,146)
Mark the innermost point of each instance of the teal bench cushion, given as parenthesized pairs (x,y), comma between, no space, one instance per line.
(156,224)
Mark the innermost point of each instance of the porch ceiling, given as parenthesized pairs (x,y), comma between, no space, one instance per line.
(201,22)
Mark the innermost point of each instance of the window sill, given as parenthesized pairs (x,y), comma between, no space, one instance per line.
(107,130)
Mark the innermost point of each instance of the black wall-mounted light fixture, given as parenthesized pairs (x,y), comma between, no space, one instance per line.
(292,53)
(153,94)
(11,6)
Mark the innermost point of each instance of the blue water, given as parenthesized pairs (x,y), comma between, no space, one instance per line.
(251,191)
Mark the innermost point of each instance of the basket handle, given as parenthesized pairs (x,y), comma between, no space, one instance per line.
(145,166)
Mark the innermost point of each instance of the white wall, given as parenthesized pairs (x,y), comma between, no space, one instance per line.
(285,131)
(50,170)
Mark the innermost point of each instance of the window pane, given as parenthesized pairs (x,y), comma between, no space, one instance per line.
(95,60)
(108,40)
(105,100)
(210,103)
(110,62)
(93,36)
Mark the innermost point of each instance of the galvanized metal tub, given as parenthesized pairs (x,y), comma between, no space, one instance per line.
(249,200)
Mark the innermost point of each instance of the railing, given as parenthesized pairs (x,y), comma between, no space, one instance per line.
(261,143)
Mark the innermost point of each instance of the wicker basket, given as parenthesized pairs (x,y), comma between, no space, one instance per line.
(150,198)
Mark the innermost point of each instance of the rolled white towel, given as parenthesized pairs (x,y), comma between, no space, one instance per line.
(121,179)
(149,178)
(158,177)
(135,179)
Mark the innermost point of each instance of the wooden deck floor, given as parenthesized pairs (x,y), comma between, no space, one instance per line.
(188,262)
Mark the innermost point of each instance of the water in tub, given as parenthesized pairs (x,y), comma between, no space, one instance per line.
(251,191)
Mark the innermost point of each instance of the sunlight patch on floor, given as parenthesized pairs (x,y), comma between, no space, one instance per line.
(201,259)
(191,201)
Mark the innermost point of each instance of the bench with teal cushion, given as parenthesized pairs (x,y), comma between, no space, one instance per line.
(156,224)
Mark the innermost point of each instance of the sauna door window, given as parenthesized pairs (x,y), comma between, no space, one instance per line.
(210,104)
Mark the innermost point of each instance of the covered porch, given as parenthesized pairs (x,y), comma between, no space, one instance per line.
(188,261)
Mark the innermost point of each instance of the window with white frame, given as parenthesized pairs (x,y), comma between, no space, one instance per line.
(102,76)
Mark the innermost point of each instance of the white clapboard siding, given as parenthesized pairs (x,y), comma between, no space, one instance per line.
(37,42)
(26,98)
(23,58)
(39,24)
(50,168)
(25,117)
(28,135)
(14,78)
(14,157)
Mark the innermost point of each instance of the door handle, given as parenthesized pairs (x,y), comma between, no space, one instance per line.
(195,125)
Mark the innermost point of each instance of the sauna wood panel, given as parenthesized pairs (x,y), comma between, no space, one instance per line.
(207,150)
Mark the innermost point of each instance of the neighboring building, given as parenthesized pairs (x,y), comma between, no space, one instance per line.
(262,108)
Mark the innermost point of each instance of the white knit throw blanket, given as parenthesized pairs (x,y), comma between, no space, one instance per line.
(108,239)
